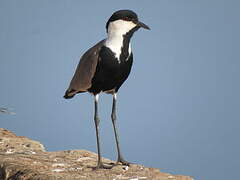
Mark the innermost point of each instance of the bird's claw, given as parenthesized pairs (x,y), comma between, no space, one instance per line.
(102,166)
(123,162)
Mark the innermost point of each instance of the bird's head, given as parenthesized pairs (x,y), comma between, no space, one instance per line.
(123,21)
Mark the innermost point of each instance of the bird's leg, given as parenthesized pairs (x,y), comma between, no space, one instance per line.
(97,121)
(114,118)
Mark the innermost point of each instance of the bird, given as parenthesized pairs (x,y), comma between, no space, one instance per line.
(105,67)
(6,111)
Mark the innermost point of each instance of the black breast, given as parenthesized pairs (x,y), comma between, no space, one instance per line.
(110,73)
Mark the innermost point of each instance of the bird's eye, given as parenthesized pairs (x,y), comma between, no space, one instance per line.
(126,19)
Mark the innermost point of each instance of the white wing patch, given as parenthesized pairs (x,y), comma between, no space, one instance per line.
(116,30)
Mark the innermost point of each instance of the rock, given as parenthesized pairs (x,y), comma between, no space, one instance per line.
(10,143)
(25,159)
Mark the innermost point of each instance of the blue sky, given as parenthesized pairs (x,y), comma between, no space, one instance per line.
(179,109)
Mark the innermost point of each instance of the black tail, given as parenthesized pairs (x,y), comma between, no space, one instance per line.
(69,94)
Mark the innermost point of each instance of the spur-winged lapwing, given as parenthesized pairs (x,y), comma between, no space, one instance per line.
(105,66)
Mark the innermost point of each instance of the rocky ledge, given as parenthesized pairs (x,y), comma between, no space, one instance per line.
(25,159)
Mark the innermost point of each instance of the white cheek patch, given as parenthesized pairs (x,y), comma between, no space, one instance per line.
(116,30)
(120,27)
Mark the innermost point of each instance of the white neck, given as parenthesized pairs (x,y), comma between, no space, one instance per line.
(116,30)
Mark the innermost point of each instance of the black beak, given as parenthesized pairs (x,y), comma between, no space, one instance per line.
(141,24)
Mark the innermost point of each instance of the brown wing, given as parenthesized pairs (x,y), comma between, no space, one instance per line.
(85,71)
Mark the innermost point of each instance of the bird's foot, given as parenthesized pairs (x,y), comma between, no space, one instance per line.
(102,166)
(123,162)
